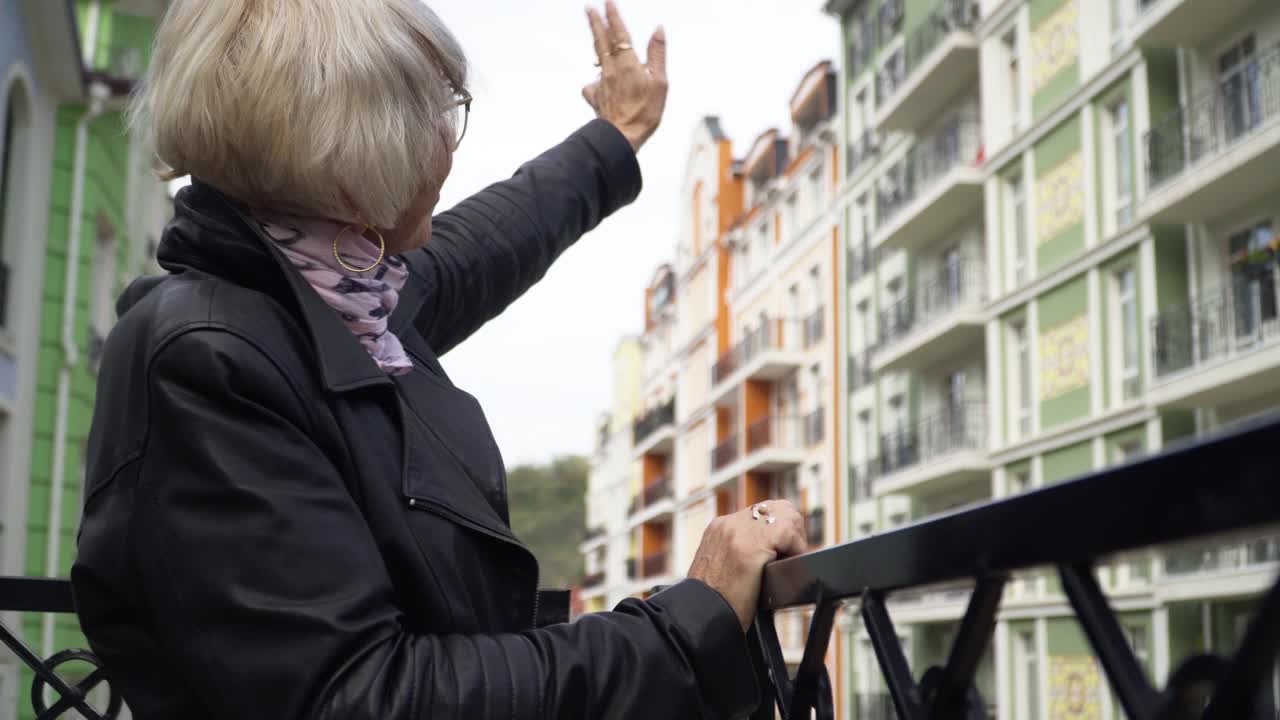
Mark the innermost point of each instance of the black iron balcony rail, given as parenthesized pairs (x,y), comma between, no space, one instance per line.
(862,480)
(1238,317)
(760,433)
(655,564)
(862,149)
(1219,484)
(631,568)
(766,335)
(930,160)
(815,427)
(724,452)
(593,533)
(958,284)
(816,527)
(860,261)
(1236,108)
(860,369)
(595,579)
(652,421)
(814,327)
(950,17)
(657,491)
(54,596)
(961,427)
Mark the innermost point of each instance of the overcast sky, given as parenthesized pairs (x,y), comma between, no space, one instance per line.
(542,371)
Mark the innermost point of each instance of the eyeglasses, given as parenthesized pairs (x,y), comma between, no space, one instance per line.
(461,116)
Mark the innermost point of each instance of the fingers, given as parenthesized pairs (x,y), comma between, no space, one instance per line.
(656,58)
(618,34)
(600,33)
(788,532)
(591,93)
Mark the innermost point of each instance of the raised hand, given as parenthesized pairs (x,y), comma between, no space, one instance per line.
(630,94)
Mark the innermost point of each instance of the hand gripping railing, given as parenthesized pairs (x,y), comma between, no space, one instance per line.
(1219,484)
(53,596)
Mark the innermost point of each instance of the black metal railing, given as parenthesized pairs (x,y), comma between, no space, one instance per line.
(816,527)
(657,491)
(927,163)
(862,149)
(652,421)
(814,427)
(81,693)
(655,564)
(593,533)
(814,327)
(860,373)
(724,452)
(1236,108)
(959,283)
(960,427)
(595,579)
(949,17)
(1216,557)
(4,292)
(1155,500)
(862,480)
(760,433)
(631,568)
(860,261)
(1241,316)
(766,335)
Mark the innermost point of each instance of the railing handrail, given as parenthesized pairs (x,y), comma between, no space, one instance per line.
(955,144)
(934,300)
(653,420)
(986,543)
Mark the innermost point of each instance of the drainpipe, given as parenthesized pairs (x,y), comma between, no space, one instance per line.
(98,94)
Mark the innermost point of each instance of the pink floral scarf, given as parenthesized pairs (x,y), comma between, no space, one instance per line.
(364,301)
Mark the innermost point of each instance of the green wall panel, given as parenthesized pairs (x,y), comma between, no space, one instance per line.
(1060,144)
(1056,90)
(1067,463)
(1176,425)
(1186,635)
(1065,302)
(1120,438)
(1062,247)
(1064,637)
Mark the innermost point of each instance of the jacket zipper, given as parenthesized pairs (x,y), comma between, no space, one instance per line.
(439,509)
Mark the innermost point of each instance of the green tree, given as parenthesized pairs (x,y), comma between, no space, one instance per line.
(548,514)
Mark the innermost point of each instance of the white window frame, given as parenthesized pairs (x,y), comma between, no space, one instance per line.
(1018,232)
(1126,348)
(1020,390)
(1122,12)
(1013,69)
(1117,149)
(1026,673)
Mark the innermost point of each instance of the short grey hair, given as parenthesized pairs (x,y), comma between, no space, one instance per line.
(311,106)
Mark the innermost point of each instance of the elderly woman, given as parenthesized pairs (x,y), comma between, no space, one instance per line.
(291,511)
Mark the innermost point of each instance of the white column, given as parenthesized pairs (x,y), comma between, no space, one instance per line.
(1096,307)
(1147,288)
(995,387)
(1033,348)
(1091,230)
(1141,125)
(1004,693)
(1042,664)
(1160,641)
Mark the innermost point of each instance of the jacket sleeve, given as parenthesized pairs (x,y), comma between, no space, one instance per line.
(266,582)
(492,247)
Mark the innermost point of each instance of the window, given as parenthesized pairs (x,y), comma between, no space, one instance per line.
(815,288)
(102,301)
(1119,168)
(1136,636)
(794,309)
(1128,450)
(1253,278)
(1019,482)
(760,251)
(864,215)
(1120,12)
(952,277)
(8,169)
(1016,221)
(953,407)
(1241,86)
(1014,77)
(868,434)
(1020,390)
(1124,335)
(864,324)
(1027,673)
(816,199)
(790,220)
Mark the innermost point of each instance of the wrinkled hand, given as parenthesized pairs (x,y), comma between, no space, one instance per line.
(630,94)
(735,548)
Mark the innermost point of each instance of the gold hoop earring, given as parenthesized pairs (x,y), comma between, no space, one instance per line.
(382,251)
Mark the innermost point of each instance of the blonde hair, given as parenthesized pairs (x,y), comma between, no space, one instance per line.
(307,105)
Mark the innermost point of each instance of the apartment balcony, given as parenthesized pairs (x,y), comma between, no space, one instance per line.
(655,431)
(594,580)
(942,318)
(594,537)
(816,527)
(935,188)
(1225,567)
(815,427)
(655,564)
(860,261)
(771,444)
(1220,150)
(938,58)
(654,500)
(862,480)
(1187,23)
(942,451)
(1221,348)
(119,66)
(813,328)
(770,351)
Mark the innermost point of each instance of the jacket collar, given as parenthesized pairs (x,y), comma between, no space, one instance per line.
(213,234)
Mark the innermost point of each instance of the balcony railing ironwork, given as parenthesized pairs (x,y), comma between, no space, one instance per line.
(814,327)
(92,695)
(1238,317)
(959,427)
(862,480)
(1156,500)
(815,427)
(862,149)
(766,335)
(655,564)
(815,526)
(1222,557)
(657,491)
(652,421)
(959,283)
(631,568)
(949,17)
(1237,107)
(957,143)
(860,261)
(860,369)
(724,452)
(760,433)
(595,579)
(593,533)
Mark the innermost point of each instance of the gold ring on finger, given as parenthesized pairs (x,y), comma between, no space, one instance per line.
(760,511)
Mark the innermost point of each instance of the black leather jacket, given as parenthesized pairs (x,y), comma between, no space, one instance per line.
(276,529)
